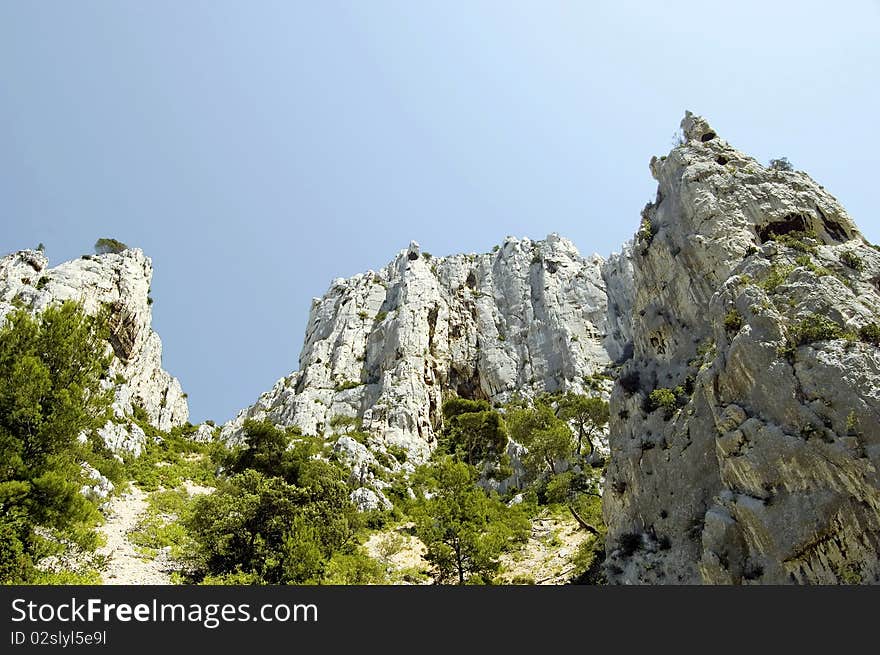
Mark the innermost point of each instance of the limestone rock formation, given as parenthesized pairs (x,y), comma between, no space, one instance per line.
(384,346)
(121,283)
(745,428)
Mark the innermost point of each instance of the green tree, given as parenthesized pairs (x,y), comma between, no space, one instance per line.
(106,245)
(344,424)
(50,371)
(464,529)
(278,519)
(588,414)
(547,437)
(473,432)
(271,451)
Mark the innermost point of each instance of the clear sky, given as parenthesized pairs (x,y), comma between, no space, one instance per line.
(257,150)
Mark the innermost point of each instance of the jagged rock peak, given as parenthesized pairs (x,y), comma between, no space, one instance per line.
(745,429)
(120,282)
(384,346)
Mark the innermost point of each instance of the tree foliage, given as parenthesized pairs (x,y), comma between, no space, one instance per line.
(464,529)
(280,516)
(50,371)
(587,414)
(105,245)
(474,432)
(547,437)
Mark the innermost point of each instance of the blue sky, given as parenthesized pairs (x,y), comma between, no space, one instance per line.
(257,150)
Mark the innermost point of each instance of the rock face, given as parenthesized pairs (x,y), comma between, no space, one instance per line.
(120,282)
(384,346)
(758,464)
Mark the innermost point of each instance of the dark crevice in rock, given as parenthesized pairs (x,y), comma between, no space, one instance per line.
(791,223)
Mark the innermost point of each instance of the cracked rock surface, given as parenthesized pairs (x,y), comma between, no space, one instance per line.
(753,289)
(384,346)
(121,283)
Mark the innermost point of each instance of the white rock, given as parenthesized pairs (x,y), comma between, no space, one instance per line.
(122,282)
(204,433)
(384,346)
(100,488)
(367,500)
(767,473)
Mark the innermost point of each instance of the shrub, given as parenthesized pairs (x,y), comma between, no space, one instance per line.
(807,263)
(345,385)
(781,164)
(50,371)
(777,275)
(279,519)
(630,382)
(733,321)
(473,432)
(870,333)
(106,245)
(852,260)
(813,328)
(381,316)
(796,240)
(464,529)
(629,543)
(852,423)
(647,231)
(587,414)
(662,398)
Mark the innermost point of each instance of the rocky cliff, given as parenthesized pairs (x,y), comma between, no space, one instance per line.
(745,430)
(121,283)
(384,346)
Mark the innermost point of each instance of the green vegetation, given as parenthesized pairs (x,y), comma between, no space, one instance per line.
(587,414)
(852,424)
(106,245)
(733,321)
(475,433)
(50,371)
(814,327)
(342,424)
(669,400)
(546,436)
(662,398)
(647,231)
(796,240)
(280,511)
(381,316)
(160,527)
(464,529)
(346,385)
(279,517)
(852,260)
(781,164)
(806,262)
(777,276)
(870,333)
(169,458)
